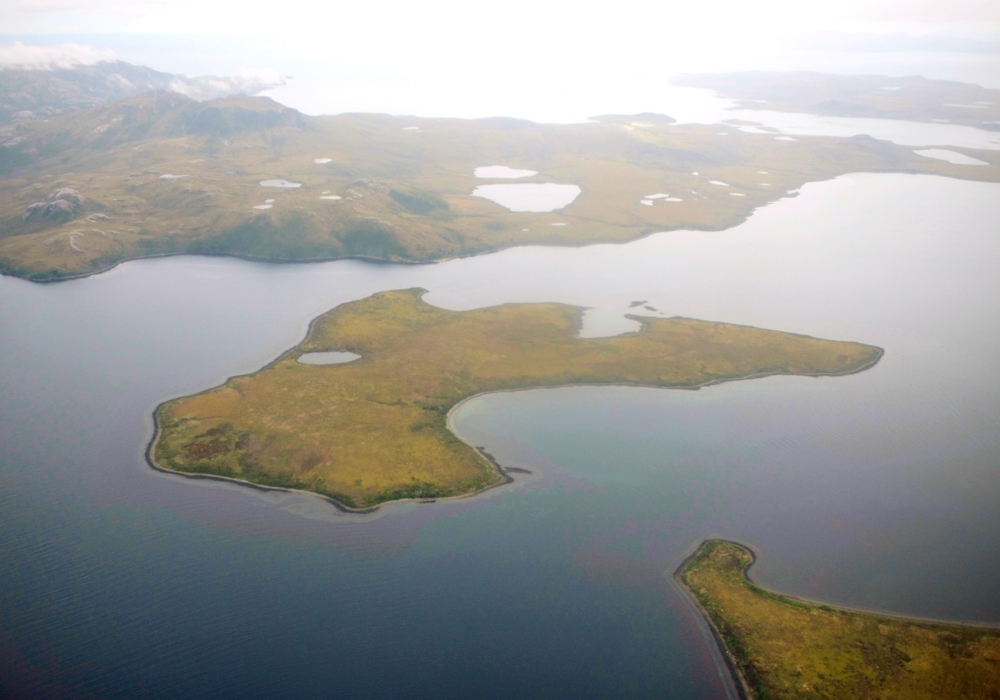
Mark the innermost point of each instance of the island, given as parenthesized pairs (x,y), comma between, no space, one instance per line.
(913,97)
(160,174)
(780,647)
(375,429)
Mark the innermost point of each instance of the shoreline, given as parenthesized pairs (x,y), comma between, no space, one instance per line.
(499,470)
(873,612)
(708,228)
(722,226)
(377,261)
(743,688)
(235,256)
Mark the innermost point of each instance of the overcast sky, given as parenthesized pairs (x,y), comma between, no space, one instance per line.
(456,24)
(401,56)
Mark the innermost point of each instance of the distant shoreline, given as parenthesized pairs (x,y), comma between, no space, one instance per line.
(400,261)
(235,256)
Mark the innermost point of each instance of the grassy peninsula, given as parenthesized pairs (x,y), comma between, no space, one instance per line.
(159,174)
(375,429)
(786,648)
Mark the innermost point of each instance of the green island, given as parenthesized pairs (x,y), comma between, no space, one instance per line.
(376,429)
(781,647)
(160,174)
(912,97)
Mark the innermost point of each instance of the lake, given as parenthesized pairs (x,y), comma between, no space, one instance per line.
(877,489)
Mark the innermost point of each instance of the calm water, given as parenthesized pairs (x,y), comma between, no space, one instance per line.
(546,196)
(327,358)
(878,489)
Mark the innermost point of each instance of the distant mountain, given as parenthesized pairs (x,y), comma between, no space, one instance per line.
(913,97)
(29,94)
(149,117)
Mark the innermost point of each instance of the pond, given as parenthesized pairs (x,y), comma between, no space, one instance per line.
(547,196)
(327,358)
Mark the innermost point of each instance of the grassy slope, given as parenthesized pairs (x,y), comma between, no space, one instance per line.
(406,195)
(375,429)
(789,649)
(917,99)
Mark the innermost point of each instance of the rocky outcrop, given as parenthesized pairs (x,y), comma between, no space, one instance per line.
(63,204)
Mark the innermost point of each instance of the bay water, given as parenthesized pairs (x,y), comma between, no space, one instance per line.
(878,489)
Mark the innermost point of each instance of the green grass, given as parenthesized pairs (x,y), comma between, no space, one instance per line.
(786,648)
(375,429)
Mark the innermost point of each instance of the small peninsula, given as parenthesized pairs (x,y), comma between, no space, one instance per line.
(375,429)
(780,647)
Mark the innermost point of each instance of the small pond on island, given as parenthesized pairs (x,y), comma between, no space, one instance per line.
(327,358)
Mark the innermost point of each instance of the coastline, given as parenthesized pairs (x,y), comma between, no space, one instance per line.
(743,689)
(235,256)
(874,612)
(714,228)
(502,472)
(735,221)
(504,475)
(364,258)
(745,692)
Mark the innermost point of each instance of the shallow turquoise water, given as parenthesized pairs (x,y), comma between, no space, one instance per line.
(878,489)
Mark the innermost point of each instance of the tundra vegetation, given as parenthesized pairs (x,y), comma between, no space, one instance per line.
(160,174)
(375,429)
(785,648)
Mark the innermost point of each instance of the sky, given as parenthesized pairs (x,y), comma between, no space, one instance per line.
(449,58)
(449,24)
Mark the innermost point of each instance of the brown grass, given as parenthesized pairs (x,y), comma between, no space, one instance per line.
(786,648)
(405,195)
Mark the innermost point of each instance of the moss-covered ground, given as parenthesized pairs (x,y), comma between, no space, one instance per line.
(786,648)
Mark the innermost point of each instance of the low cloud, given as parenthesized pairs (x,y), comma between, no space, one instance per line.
(209,87)
(79,66)
(60,57)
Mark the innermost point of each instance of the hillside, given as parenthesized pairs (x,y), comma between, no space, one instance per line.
(159,173)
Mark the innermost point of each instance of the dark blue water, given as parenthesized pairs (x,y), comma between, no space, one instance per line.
(879,489)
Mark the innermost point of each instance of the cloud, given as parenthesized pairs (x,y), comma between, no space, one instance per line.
(51,57)
(70,56)
(208,87)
